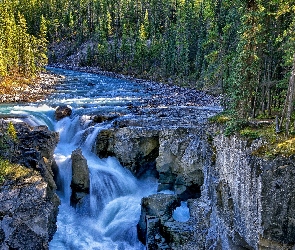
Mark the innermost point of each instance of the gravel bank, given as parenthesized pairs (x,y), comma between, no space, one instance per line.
(33,91)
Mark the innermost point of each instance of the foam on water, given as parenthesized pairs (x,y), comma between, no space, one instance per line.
(107,218)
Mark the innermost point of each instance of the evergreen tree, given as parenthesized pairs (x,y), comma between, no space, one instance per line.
(41,56)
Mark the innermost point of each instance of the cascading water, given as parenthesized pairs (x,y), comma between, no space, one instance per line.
(108,216)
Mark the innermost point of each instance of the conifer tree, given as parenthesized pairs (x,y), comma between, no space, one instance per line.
(41,55)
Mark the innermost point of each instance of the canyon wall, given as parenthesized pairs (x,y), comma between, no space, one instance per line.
(236,200)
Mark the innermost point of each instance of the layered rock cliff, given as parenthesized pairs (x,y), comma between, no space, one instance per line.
(28,205)
(253,198)
(236,200)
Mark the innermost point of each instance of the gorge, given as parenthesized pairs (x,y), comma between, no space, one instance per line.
(149,152)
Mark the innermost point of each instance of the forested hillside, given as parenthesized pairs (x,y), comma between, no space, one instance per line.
(243,49)
(23,48)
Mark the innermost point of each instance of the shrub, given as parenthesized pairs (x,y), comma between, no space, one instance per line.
(12,171)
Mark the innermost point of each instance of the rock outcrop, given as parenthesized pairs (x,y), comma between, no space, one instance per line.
(80,183)
(29,206)
(99,118)
(136,148)
(62,112)
(236,200)
(28,211)
(182,155)
(156,210)
(246,202)
(253,197)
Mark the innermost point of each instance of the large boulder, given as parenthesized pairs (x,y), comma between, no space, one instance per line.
(135,147)
(28,211)
(182,156)
(62,112)
(29,205)
(80,183)
(155,210)
(99,118)
(32,148)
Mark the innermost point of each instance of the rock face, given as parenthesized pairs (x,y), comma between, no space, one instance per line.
(28,211)
(155,208)
(176,155)
(236,200)
(136,148)
(182,155)
(80,176)
(62,112)
(29,206)
(254,197)
(278,201)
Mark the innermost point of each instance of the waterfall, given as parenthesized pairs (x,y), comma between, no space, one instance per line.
(106,219)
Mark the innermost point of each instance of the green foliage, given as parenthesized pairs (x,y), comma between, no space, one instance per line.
(249,133)
(11,171)
(275,144)
(23,49)
(8,139)
(11,132)
(220,118)
(234,126)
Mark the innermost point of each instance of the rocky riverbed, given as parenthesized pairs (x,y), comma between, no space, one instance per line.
(165,95)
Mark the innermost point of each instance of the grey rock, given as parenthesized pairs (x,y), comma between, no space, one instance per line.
(29,205)
(28,213)
(80,183)
(182,155)
(253,198)
(33,148)
(155,210)
(135,147)
(104,117)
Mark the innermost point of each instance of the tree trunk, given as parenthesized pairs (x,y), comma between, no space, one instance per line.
(288,108)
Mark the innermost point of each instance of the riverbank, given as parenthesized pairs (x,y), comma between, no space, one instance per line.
(164,94)
(28,90)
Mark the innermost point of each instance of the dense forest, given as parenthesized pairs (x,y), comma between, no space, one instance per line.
(242,49)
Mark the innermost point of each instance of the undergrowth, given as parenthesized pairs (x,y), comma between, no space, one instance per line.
(275,144)
(11,171)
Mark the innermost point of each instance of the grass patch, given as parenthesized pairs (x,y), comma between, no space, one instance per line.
(276,144)
(220,118)
(11,171)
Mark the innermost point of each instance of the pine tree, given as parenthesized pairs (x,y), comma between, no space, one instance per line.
(41,55)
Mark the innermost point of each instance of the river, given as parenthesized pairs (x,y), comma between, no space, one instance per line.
(108,216)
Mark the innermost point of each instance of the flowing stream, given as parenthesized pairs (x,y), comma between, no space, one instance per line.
(108,217)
